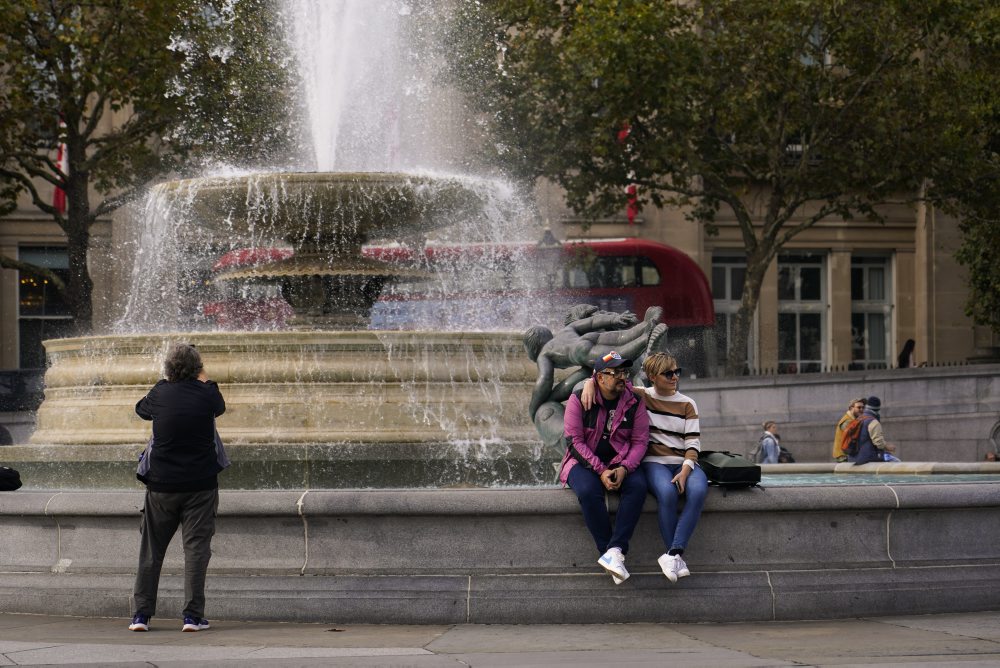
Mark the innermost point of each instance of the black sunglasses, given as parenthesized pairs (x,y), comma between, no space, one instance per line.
(670,373)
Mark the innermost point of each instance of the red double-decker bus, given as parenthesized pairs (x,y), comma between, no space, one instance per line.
(505,286)
(614,274)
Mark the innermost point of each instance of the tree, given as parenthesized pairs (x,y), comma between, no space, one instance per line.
(973,193)
(977,202)
(786,112)
(133,89)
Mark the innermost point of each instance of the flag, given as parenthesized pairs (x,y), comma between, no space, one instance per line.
(632,208)
(631,190)
(62,162)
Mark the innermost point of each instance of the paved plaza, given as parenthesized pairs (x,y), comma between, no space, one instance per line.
(964,639)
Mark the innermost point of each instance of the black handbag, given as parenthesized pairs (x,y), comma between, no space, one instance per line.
(9,479)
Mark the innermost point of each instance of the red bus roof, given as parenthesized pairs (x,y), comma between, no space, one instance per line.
(247,257)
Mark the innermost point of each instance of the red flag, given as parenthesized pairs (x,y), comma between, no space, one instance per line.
(632,208)
(62,161)
(631,190)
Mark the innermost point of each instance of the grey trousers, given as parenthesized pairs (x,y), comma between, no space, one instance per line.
(163,512)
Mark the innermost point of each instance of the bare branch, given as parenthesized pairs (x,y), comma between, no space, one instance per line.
(34,270)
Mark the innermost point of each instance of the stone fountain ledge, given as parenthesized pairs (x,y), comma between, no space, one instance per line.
(523,555)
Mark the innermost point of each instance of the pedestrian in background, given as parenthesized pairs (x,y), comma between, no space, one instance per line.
(907,357)
(871,443)
(770,448)
(854,410)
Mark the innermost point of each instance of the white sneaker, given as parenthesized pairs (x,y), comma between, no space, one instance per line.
(681,567)
(673,566)
(666,563)
(613,561)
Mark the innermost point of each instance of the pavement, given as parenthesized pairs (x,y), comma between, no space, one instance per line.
(963,639)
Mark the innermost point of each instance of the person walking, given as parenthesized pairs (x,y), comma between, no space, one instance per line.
(182,486)
(770,449)
(605,444)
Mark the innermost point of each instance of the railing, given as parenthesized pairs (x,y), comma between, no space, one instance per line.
(21,390)
(785,370)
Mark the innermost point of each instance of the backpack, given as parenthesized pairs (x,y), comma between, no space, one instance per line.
(9,479)
(728,470)
(784,456)
(755,454)
(852,435)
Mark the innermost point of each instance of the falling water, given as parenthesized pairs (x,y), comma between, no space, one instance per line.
(374,104)
(368,70)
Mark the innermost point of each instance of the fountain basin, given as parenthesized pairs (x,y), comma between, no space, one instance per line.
(517,556)
(341,209)
(315,409)
(301,387)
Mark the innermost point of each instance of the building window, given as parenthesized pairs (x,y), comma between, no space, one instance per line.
(728,274)
(42,312)
(801,312)
(870,312)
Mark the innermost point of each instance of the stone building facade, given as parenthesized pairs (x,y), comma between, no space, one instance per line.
(842,295)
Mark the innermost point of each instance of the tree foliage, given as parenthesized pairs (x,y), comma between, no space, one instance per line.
(142,88)
(784,112)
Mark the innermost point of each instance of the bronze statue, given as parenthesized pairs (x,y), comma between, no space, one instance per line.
(588,334)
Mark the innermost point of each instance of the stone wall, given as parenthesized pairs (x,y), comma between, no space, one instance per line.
(939,414)
(518,556)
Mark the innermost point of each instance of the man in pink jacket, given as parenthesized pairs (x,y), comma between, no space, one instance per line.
(604,447)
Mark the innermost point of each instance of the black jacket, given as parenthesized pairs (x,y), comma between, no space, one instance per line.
(183,456)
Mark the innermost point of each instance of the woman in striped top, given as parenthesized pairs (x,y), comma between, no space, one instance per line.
(671,461)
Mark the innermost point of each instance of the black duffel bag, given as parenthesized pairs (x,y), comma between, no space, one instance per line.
(9,479)
(728,470)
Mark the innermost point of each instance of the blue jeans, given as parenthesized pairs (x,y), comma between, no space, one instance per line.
(590,492)
(676,531)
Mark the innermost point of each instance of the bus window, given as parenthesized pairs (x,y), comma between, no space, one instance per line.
(648,271)
(624,271)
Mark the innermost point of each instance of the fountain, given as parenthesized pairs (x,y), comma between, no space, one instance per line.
(317,411)
(324,402)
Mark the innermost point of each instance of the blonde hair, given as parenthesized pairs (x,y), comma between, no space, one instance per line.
(860,400)
(657,363)
(767,425)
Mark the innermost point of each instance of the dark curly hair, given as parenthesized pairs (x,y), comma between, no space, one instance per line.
(534,339)
(183,363)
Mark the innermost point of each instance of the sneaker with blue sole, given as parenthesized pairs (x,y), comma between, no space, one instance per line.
(613,561)
(140,622)
(192,624)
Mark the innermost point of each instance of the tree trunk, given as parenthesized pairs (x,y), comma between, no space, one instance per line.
(79,293)
(757,264)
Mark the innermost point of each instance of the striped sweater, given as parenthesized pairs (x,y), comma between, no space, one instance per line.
(674,428)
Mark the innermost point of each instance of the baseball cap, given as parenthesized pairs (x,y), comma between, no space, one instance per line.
(610,361)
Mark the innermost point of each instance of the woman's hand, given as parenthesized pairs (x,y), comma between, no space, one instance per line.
(681,479)
(588,394)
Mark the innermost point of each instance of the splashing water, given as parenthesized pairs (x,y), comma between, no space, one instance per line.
(368,68)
